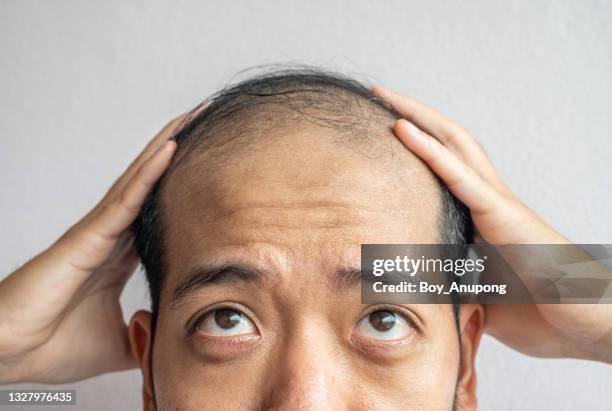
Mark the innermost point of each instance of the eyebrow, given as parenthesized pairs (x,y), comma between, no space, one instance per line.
(203,276)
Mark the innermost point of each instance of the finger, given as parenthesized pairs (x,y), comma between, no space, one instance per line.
(461,180)
(146,153)
(123,260)
(122,211)
(427,119)
(90,242)
(170,130)
(452,135)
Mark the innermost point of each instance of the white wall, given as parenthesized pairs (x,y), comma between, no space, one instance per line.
(83,85)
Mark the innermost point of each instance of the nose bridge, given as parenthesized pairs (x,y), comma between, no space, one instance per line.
(307,372)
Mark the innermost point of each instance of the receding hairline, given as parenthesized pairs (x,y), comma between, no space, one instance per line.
(252,120)
(149,227)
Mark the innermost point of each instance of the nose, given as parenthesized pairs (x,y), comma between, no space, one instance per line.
(308,374)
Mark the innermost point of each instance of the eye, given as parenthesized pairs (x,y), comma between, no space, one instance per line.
(226,322)
(384,325)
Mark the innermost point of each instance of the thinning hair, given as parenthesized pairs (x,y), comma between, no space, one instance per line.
(248,112)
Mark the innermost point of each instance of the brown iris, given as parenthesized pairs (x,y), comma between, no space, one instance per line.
(227,318)
(383,320)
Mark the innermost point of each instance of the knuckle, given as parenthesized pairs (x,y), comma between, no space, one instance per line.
(124,204)
(454,180)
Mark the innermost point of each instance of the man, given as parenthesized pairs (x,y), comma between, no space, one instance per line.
(251,246)
(275,186)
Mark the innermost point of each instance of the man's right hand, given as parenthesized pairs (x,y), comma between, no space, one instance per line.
(60,315)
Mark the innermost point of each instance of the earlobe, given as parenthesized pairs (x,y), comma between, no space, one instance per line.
(140,343)
(472,319)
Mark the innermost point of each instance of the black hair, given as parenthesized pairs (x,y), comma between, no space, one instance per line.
(309,94)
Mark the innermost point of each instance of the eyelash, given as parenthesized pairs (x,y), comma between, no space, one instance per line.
(195,320)
(404,312)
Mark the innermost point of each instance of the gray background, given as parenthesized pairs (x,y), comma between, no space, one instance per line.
(84,85)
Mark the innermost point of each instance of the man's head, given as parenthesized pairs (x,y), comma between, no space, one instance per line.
(251,247)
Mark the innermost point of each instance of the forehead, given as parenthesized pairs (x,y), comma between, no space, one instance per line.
(298,192)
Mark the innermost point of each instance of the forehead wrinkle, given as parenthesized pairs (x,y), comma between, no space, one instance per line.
(268,266)
(331,203)
(211,212)
(297,192)
(351,211)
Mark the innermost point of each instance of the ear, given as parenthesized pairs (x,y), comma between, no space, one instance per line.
(140,342)
(471,325)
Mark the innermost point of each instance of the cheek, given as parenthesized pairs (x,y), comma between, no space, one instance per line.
(425,381)
(439,372)
(289,366)
(185,381)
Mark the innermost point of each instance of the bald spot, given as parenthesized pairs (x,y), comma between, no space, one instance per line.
(304,188)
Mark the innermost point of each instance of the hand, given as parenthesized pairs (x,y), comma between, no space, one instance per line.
(61,319)
(547,330)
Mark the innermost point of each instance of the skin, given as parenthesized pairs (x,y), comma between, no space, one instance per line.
(581,331)
(75,283)
(295,212)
